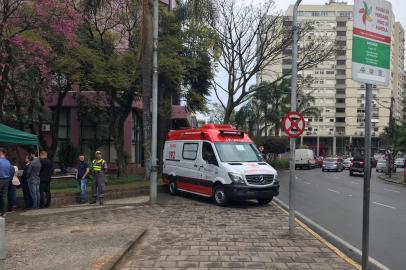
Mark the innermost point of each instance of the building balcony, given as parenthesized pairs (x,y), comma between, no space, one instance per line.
(342,114)
(341,86)
(341,28)
(340,124)
(341,67)
(341,37)
(341,76)
(341,57)
(340,105)
(340,96)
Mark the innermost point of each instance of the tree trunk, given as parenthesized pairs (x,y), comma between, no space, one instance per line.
(5,73)
(147,48)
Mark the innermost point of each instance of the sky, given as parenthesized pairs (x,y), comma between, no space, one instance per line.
(398,7)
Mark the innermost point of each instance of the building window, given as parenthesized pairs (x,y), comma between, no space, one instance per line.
(340,81)
(96,136)
(341,62)
(331,120)
(340,110)
(64,124)
(340,119)
(340,100)
(341,24)
(341,33)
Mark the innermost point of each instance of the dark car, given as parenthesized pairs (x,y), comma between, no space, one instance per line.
(358,164)
(332,164)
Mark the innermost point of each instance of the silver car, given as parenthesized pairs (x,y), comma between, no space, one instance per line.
(400,162)
(332,164)
(382,166)
(347,163)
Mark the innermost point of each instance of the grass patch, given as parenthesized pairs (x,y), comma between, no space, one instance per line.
(70,185)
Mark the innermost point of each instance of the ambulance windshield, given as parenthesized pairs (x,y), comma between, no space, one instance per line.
(238,152)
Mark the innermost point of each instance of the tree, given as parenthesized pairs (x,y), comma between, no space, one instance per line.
(37,37)
(249,40)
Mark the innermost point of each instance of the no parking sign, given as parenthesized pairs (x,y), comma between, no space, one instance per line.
(293,124)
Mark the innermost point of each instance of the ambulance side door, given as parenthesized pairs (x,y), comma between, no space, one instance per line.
(208,163)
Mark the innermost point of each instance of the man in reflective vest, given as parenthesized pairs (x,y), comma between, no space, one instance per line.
(98,169)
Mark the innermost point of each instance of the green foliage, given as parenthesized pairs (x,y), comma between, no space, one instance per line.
(67,154)
(273,144)
(280,164)
(401,138)
(303,146)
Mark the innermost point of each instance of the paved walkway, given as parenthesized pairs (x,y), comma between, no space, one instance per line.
(182,233)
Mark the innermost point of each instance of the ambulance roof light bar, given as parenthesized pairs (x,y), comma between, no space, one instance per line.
(232,132)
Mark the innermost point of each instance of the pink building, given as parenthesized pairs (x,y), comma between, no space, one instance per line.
(87,136)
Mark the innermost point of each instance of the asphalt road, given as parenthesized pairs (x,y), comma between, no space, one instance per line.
(334,201)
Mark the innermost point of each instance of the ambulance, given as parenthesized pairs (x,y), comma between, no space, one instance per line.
(219,162)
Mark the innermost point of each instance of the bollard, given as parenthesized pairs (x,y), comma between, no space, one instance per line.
(2,238)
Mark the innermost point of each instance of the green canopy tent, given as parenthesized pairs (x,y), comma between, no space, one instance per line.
(15,136)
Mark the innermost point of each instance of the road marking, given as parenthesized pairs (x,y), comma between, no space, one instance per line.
(307,183)
(392,190)
(355,183)
(349,195)
(332,190)
(381,204)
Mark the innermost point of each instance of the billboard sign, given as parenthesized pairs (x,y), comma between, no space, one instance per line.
(371,41)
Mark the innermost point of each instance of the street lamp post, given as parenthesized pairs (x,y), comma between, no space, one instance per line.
(293,109)
(154,167)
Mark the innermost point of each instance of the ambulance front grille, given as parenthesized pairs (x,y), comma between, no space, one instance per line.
(259,179)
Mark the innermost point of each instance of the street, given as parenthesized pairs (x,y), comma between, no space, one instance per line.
(334,201)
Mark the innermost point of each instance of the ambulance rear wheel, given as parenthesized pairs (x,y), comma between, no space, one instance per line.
(173,190)
(219,196)
(264,201)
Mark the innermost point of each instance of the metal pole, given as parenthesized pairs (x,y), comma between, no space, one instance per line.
(367,178)
(3,250)
(154,167)
(293,109)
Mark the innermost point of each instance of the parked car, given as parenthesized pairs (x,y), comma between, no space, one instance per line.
(304,158)
(347,163)
(332,164)
(382,166)
(400,162)
(358,163)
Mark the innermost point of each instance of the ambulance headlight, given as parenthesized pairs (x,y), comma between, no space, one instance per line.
(236,178)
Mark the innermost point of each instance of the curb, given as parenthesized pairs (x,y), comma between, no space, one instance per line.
(117,258)
(391,181)
(333,240)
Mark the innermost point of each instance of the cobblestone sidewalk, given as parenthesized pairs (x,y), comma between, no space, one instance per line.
(183,233)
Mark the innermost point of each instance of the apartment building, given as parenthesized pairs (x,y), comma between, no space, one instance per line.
(341,100)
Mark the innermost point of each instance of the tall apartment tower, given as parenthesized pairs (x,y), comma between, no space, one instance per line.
(341,100)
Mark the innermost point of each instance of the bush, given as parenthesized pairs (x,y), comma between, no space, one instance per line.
(273,145)
(280,164)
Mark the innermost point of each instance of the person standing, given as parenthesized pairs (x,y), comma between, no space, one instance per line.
(24,185)
(99,168)
(12,188)
(82,172)
(45,174)
(33,172)
(6,174)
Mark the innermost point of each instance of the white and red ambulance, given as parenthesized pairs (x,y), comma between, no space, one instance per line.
(217,161)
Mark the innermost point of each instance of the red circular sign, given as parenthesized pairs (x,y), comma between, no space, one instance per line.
(293,124)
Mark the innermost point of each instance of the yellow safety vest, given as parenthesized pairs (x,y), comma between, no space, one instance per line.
(98,165)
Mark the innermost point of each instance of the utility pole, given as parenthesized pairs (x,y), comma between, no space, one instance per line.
(293,109)
(367,177)
(391,138)
(154,167)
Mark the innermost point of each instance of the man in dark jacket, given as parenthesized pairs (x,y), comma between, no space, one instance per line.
(45,174)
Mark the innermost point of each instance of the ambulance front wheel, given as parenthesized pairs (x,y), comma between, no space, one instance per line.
(173,190)
(220,196)
(265,201)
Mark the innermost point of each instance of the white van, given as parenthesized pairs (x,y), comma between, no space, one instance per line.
(304,158)
(217,161)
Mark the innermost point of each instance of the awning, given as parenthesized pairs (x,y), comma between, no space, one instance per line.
(15,136)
